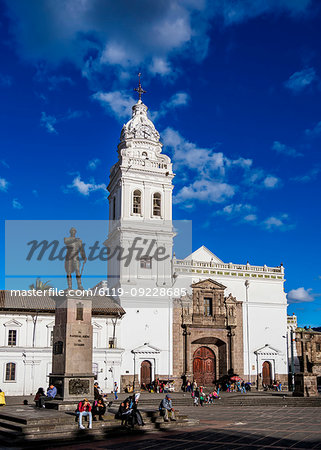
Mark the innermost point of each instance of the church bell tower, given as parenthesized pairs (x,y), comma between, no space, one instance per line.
(140,206)
(140,242)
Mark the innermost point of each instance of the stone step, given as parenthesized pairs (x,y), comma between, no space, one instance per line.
(8,424)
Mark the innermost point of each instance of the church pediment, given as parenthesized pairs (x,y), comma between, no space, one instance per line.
(203,254)
(267,350)
(146,349)
(208,284)
(12,323)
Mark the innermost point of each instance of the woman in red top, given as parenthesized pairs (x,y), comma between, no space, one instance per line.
(84,409)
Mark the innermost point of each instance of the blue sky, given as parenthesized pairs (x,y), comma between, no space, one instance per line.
(234,88)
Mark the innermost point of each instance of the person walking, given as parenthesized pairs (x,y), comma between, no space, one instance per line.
(84,409)
(243,390)
(115,390)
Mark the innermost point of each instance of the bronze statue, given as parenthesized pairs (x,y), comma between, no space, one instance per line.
(74,247)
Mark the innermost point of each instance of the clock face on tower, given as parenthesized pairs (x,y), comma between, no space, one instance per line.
(146,131)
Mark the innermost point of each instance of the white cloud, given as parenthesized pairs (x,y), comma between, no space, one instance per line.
(280,222)
(298,81)
(128,34)
(300,295)
(285,149)
(4,163)
(309,176)
(188,154)
(213,171)
(235,209)
(270,182)
(205,190)
(159,66)
(48,122)
(177,100)
(16,204)
(315,131)
(118,103)
(86,188)
(236,11)
(3,184)
(250,218)
(93,163)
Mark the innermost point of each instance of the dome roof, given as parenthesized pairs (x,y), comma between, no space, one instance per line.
(139,126)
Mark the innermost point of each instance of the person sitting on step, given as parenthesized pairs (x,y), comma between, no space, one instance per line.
(166,408)
(84,409)
(39,398)
(99,409)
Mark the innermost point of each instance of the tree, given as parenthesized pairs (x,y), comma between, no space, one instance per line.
(40,285)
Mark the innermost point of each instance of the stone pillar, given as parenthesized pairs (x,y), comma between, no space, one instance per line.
(231,335)
(72,348)
(187,353)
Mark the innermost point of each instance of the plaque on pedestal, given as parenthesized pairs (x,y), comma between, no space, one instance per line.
(72,347)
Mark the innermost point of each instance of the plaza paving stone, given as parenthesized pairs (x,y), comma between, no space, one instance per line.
(231,428)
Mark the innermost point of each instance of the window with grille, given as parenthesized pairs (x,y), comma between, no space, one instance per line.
(207,306)
(95,370)
(12,337)
(10,371)
(137,202)
(157,204)
(146,263)
(318,347)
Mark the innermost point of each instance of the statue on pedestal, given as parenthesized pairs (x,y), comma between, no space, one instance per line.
(74,247)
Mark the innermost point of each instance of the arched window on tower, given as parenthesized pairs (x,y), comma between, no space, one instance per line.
(137,202)
(157,204)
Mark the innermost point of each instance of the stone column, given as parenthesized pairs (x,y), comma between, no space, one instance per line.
(72,348)
(231,335)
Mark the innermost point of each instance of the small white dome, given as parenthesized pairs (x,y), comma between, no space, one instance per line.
(139,126)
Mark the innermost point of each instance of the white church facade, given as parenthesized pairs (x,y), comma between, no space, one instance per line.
(171,325)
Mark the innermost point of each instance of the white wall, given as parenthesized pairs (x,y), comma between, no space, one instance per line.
(33,363)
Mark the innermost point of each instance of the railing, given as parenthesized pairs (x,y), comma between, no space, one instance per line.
(146,163)
(230,266)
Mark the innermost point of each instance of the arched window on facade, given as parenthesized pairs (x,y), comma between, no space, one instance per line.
(10,371)
(137,202)
(156,204)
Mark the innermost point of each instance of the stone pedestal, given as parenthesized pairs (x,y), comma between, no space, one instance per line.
(305,385)
(72,348)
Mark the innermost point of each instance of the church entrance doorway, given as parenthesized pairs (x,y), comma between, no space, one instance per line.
(145,373)
(204,366)
(266,373)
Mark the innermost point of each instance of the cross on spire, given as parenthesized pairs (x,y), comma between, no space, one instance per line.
(139,89)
